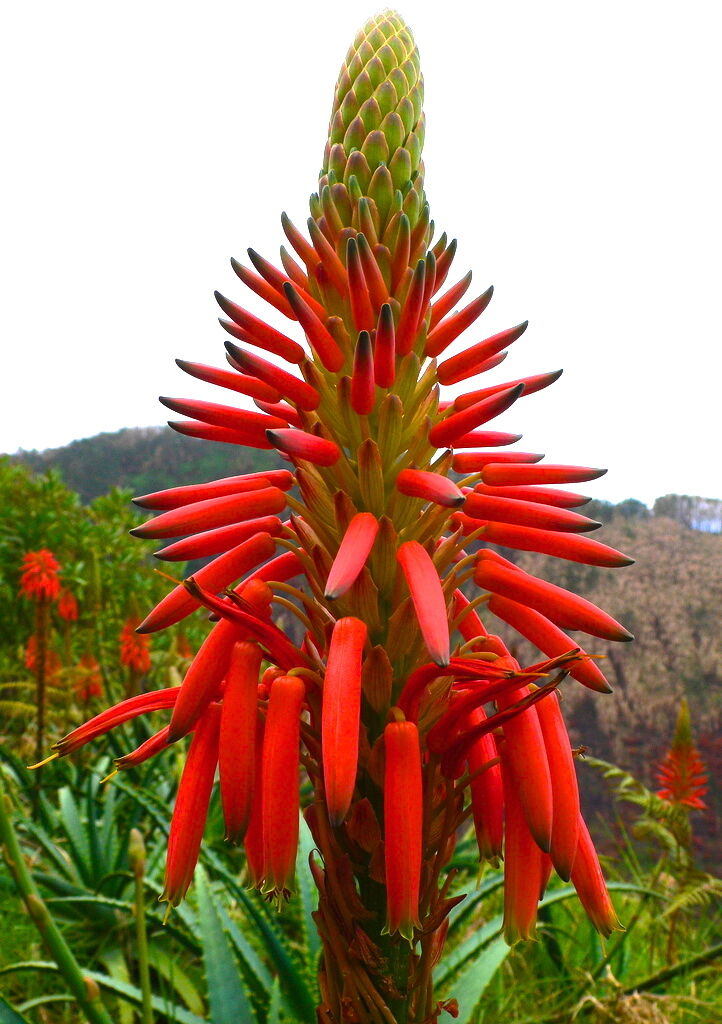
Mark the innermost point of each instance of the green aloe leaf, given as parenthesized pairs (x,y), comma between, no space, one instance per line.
(8,1015)
(227,996)
(472,984)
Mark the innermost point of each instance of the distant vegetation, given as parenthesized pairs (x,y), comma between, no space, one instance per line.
(143,459)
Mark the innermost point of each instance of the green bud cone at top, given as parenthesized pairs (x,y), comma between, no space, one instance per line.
(376,133)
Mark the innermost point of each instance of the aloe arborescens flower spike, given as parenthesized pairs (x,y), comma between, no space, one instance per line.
(404,709)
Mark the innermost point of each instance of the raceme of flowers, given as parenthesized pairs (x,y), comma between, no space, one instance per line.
(40,580)
(405,710)
(681,775)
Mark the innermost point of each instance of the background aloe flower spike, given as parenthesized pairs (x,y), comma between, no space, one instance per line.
(405,713)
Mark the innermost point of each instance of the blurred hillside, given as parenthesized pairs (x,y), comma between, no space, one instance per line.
(143,459)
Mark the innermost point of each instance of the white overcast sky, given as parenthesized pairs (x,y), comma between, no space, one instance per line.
(572,148)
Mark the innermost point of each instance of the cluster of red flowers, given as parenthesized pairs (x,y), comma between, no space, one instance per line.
(88,679)
(404,710)
(53,663)
(681,775)
(39,579)
(67,606)
(134,648)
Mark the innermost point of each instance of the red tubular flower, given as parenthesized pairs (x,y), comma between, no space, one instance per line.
(211,512)
(318,335)
(548,638)
(191,807)
(215,542)
(239,382)
(253,839)
(548,542)
(681,775)
(142,753)
(525,513)
(449,431)
(237,753)
(428,599)
(473,359)
(294,390)
(256,332)
(178,497)
(544,495)
(352,554)
(67,606)
(39,579)
(340,718)
(588,880)
(203,679)
(537,382)
(430,486)
(528,767)
(141,704)
(565,818)
(403,813)
(307,447)
(473,462)
(218,574)
(559,605)
(385,348)
(442,335)
(134,648)
(524,863)
(363,385)
(503,476)
(446,303)
(487,794)
(280,784)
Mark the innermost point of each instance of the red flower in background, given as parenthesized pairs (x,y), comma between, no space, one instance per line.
(39,579)
(682,775)
(134,648)
(67,606)
(53,663)
(88,680)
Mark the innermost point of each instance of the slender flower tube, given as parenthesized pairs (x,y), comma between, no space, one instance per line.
(340,718)
(237,754)
(352,554)
(566,810)
(588,880)
(487,794)
(191,807)
(218,574)
(428,599)
(402,826)
(524,864)
(279,783)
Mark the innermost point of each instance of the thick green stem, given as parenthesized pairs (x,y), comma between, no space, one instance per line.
(84,989)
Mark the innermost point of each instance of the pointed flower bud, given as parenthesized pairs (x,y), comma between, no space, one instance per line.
(237,753)
(428,599)
(280,783)
(403,816)
(191,807)
(340,719)
(352,555)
